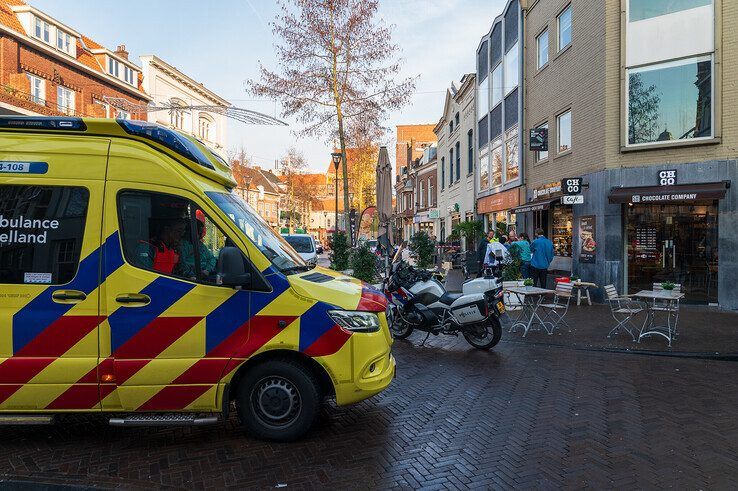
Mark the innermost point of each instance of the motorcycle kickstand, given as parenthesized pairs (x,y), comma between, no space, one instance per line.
(426,339)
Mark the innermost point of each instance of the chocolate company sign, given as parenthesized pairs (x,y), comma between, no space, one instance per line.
(550,189)
(662,198)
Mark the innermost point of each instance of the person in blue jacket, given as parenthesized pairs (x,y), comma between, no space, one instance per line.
(541,256)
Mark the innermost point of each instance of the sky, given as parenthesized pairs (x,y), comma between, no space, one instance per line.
(220,43)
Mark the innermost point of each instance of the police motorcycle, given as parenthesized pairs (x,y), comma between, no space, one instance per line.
(418,301)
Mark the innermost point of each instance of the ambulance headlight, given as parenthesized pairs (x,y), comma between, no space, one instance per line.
(355,321)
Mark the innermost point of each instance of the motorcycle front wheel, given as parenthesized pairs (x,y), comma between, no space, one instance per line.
(399,328)
(484,335)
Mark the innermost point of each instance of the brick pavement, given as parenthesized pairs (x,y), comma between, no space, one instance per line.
(520,416)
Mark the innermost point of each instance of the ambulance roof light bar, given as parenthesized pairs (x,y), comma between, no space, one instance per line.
(169,138)
(43,123)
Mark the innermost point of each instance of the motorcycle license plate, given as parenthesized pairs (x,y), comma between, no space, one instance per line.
(501,307)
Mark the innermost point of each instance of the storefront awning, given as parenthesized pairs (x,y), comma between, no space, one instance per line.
(538,205)
(681,193)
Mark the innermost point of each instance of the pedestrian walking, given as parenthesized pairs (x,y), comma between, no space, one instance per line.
(523,246)
(541,256)
(482,251)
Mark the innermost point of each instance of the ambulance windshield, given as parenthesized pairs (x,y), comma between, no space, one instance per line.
(271,244)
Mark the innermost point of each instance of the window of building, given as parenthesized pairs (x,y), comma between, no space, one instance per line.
(121,114)
(105,106)
(129,75)
(206,128)
(511,24)
(421,194)
(564,23)
(542,43)
(563,131)
(443,172)
(511,69)
(647,9)
(65,100)
(483,133)
(542,155)
(456,120)
(38,89)
(511,110)
(458,161)
(42,30)
(495,122)
(450,127)
(451,166)
(670,101)
(169,235)
(41,231)
(113,67)
(63,41)
(495,51)
(482,61)
(512,156)
(497,85)
(431,193)
(483,98)
(470,151)
(484,172)
(496,164)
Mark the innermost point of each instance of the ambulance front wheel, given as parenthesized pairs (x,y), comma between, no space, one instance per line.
(278,400)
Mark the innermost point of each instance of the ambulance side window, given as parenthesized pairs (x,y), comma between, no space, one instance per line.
(41,232)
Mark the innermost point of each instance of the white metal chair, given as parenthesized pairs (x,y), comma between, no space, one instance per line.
(670,306)
(560,306)
(623,309)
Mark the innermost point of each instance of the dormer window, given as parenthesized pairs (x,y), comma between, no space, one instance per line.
(43,30)
(128,75)
(113,67)
(64,41)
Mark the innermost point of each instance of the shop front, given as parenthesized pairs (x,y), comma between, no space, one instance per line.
(497,211)
(672,234)
(545,211)
(425,221)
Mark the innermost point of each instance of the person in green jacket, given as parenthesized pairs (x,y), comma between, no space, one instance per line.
(523,246)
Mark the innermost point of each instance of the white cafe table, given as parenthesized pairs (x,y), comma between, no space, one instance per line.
(530,298)
(583,285)
(660,301)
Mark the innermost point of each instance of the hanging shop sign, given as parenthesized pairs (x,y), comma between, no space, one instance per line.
(539,139)
(572,200)
(587,232)
(682,193)
(572,185)
(667,177)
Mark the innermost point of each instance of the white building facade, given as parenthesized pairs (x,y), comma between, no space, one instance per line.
(457,157)
(170,87)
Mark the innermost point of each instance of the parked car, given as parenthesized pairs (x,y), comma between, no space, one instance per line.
(304,245)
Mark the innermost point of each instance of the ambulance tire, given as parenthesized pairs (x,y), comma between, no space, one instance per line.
(278,400)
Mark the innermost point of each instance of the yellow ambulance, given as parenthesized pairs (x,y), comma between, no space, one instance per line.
(134,281)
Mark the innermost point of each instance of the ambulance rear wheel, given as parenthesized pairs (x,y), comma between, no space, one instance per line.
(278,400)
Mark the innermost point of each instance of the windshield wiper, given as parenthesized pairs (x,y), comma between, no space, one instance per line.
(296,269)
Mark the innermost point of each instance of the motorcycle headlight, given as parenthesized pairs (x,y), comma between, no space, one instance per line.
(355,321)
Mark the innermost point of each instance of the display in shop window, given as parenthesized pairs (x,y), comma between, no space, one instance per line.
(562,230)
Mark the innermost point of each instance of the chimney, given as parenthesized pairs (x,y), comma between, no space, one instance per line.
(121,51)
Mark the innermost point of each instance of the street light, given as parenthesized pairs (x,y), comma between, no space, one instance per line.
(336,156)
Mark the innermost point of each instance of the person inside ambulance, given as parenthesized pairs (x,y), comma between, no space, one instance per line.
(187,255)
(161,251)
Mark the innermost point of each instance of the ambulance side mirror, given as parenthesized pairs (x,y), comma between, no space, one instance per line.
(232,268)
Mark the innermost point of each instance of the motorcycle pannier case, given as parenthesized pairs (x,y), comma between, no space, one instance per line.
(469,309)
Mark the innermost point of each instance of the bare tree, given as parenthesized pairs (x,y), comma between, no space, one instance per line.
(336,63)
(297,195)
(240,167)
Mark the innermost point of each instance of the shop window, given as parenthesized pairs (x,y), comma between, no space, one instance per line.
(562,226)
(542,44)
(563,131)
(41,231)
(670,101)
(564,24)
(496,173)
(648,9)
(512,157)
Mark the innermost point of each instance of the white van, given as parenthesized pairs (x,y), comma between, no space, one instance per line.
(304,245)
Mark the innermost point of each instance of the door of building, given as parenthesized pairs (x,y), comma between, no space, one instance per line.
(676,243)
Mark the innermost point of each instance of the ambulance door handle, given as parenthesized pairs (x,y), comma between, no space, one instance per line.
(133,299)
(68,296)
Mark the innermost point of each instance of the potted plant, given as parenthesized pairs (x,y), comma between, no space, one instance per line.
(668,286)
(528,283)
(575,278)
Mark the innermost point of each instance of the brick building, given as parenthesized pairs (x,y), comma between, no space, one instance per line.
(412,137)
(49,68)
(651,131)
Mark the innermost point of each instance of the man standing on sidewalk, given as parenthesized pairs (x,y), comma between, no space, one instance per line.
(541,256)
(482,251)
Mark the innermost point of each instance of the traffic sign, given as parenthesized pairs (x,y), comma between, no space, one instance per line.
(572,200)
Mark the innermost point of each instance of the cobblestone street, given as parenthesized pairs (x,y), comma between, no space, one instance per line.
(518,416)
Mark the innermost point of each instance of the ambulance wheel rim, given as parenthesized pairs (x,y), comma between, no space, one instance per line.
(276,401)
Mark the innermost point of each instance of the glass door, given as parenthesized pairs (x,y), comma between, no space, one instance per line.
(676,243)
